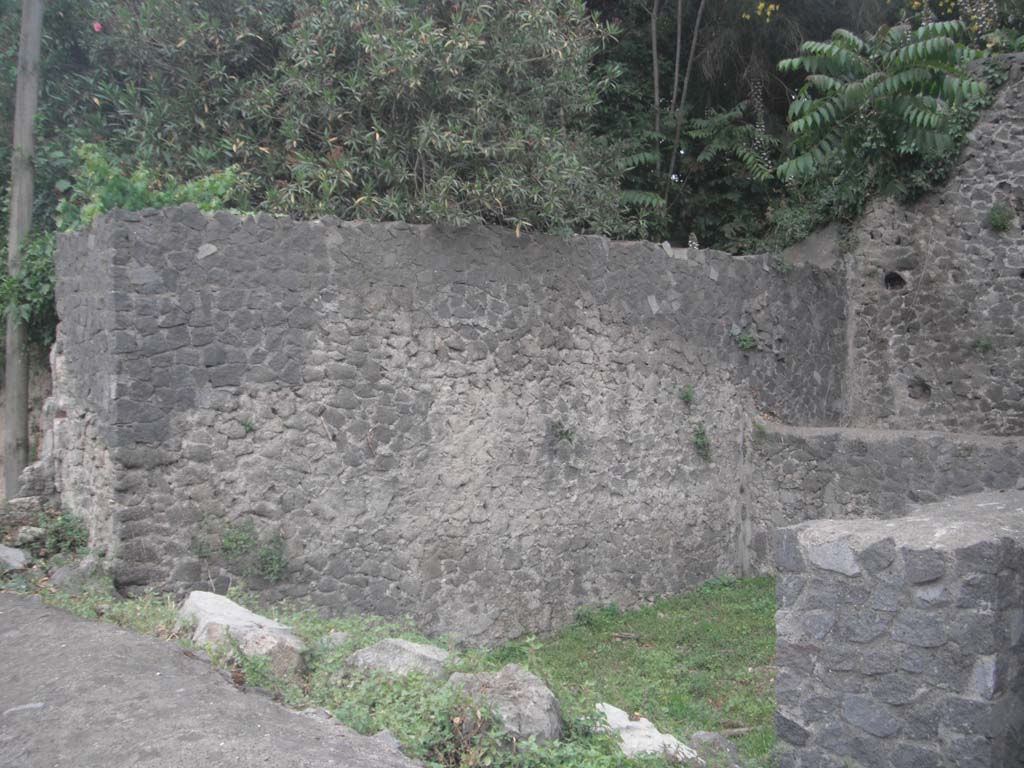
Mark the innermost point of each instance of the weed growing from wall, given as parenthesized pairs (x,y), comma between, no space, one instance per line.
(984,345)
(702,442)
(562,431)
(746,341)
(271,562)
(239,539)
(999,218)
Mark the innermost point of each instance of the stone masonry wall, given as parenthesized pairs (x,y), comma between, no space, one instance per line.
(482,431)
(900,643)
(487,432)
(808,474)
(936,296)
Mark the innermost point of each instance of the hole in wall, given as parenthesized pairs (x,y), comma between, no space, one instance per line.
(894,281)
(919,389)
(1022,273)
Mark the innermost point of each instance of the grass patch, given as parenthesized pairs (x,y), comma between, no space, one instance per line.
(700,661)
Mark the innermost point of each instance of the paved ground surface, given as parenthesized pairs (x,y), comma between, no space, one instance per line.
(81,694)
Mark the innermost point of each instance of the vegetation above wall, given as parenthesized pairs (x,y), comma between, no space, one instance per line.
(633,119)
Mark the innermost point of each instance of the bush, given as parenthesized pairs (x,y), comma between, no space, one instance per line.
(239,539)
(102,182)
(399,109)
(879,104)
(65,533)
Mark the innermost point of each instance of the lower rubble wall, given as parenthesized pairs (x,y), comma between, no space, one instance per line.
(901,642)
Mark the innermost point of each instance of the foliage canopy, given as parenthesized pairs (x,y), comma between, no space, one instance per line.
(538,115)
(874,100)
(392,109)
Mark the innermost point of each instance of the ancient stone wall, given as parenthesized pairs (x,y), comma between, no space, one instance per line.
(488,431)
(900,643)
(937,295)
(481,430)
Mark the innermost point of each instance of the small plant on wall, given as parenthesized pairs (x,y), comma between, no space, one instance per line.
(687,395)
(563,432)
(746,341)
(271,562)
(248,552)
(999,218)
(702,442)
(239,539)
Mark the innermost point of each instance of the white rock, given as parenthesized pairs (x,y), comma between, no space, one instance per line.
(12,559)
(400,657)
(524,705)
(640,737)
(221,621)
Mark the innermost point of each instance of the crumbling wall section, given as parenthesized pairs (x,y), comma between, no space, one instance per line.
(937,295)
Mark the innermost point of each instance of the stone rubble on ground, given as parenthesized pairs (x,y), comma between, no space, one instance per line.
(75,576)
(25,508)
(640,737)
(29,534)
(522,702)
(221,621)
(400,657)
(12,559)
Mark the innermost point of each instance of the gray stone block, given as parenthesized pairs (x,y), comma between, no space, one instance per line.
(923,566)
(870,716)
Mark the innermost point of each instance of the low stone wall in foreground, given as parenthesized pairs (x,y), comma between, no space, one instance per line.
(900,641)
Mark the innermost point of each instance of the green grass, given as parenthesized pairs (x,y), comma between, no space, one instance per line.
(699,661)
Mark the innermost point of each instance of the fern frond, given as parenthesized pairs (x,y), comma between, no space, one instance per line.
(953,28)
(638,159)
(850,40)
(642,198)
(824,83)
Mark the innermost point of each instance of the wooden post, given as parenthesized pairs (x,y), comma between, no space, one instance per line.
(22,191)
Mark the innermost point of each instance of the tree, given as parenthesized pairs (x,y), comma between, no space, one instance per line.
(22,193)
(871,103)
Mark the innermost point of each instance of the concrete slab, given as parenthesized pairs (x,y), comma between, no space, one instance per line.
(82,694)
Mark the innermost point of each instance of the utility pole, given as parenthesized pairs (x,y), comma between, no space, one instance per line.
(22,192)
